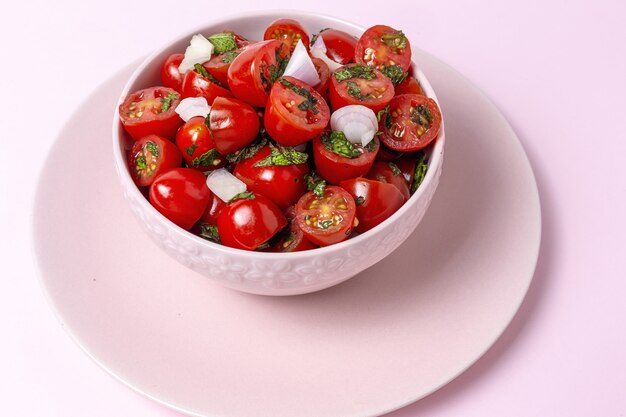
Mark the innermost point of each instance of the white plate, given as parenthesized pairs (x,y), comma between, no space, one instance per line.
(386,338)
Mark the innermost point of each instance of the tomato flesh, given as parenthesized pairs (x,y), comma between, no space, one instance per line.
(151,112)
(375,201)
(411,123)
(370,88)
(335,168)
(382,46)
(409,86)
(288,31)
(340,45)
(150,156)
(390,173)
(293,239)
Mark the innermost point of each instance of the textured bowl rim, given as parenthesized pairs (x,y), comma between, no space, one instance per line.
(436,157)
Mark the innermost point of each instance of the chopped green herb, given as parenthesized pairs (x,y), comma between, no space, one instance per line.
(249,151)
(395,40)
(209,232)
(309,102)
(167,102)
(282,156)
(354,90)
(314,37)
(153,148)
(371,146)
(388,120)
(316,184)
(275,71)
(207,159)
(223,42)
(421,115)
(359,200)
(336,142)
(421,166)
(191,149)
(355,71)
(229,57)
(263,245)
(394,168)
(382,112)
(325,224)
(394,73)
(141,163)
(206,74)
(247,195)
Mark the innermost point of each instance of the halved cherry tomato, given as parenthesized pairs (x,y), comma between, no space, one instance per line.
(233,124)
(181,195)
(288,31)
(249,222)
(358,84)
(197,85)
(411,123)
(389,173)
(329,219)
(292,239)
(407,167)
(150,156)
(284,185)
(253,72)
(213,210)
(382,46)
(151,112)
(170,76)
(197,146)
(375,201)
(295,112)
(324,73)
(409,86)
(219,64)
(340,45)
(387,155)
(334,167)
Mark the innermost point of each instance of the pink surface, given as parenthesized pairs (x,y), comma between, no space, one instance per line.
(554,68)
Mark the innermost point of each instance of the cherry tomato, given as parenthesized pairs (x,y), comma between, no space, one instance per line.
(295,112)
(387,155)
(324,73)
(253,72)
(284,185)
(407,167)
(213,210)
(335,168)
(150,156)
(357,84)
(375,201)
(197,85)
(219,64)
(287,31)
(409,86)
(390,173)
(293,239)
(233,124)
(411,123)
(329,219)
(170,76)
(382,46)
(181,195)
(197,146)
(151,112)
(340,45)
(247,223)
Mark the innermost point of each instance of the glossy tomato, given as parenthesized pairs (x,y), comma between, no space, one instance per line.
(407,167)
(324,73)
(200,85)
(375,201)
(197,146)
(358,84)
(295,112)
(253,72)
(181,195)
(288,31)
(150,156)
(151,112)
(382,46)
(233,124)
(337,160)
(213,210)
(249,222)
(328,219)
(411,123)
(409,86)
(292,239)
(387,155)
(170,75)
(219,64)
(340,45)
(390,173)
(283,184)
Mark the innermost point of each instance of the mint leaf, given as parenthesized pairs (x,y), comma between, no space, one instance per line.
(167,102)
(396,40)
(209,232)
(229,57)
(355,71)
(207,159)
(421,166)
(222,42)
(336,142)
(206,74)
(282,156)
(153,148)
(394,168)
(249,151)
(315,183)
(422,116)
(395,73)
(191,149)
(354,90)
(247,195)
(309,100)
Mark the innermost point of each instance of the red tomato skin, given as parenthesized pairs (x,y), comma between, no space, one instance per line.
(181,195)
(336,168)
(407,166)
(162,124)
(193,139)
(409,86)
(219,69)
(299,242)
(339,97)
(169,157)
(340,45)
(324,73)
(247,224)
(286,128)
(290,40)
(284,185)
(234,124)
(381,171)
(170,76)
(381,200)
(195,85)
(371,39)
(243,74)
(213,210)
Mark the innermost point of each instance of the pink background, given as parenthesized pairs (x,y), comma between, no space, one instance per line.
(564,352)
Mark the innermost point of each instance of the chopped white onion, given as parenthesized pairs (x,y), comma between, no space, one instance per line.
(191,107)
(318,50)
(224,184)
(199,51)
(301,67)
(357,122)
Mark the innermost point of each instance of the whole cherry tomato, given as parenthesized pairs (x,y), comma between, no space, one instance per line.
(197,146)
(233,124)
(150,156)
(340,45)
(288,31)
(358,84)
(219,64)
(382,46)
(390,173)
(336,160)
(151,112)
(170,75)
(213,210)
(200,85)
(292,239)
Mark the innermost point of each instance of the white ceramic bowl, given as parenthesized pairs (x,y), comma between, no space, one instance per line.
(261,272)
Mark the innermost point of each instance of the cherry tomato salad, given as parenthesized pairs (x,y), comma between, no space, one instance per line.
(283,144)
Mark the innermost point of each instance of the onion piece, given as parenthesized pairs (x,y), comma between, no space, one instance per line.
(318,50)
(191,107)
(224,184)
(357,122)
(199,51)
(301,67)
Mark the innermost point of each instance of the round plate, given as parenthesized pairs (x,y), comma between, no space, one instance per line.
(383,339)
